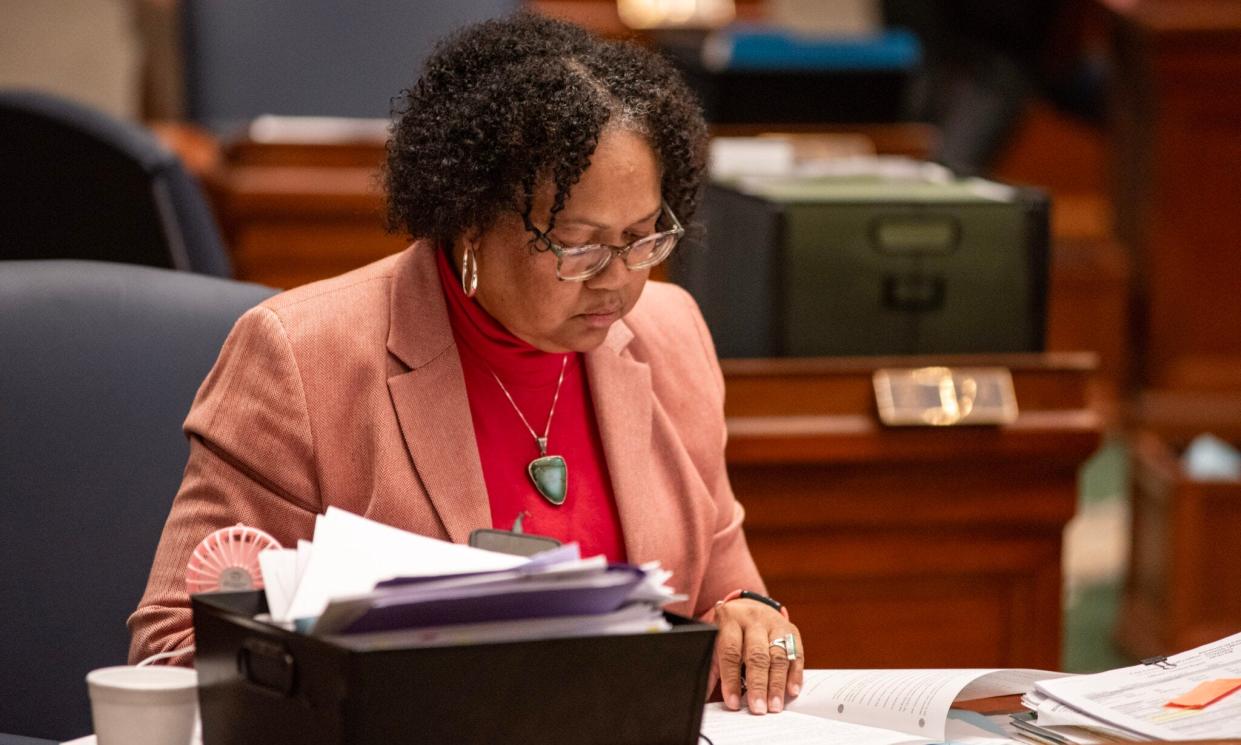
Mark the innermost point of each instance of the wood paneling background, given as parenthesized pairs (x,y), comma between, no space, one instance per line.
(917,546)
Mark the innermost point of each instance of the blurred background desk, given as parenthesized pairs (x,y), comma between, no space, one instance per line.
(1176,119)
(292,213)
(921,547)
(1178,163)
(1183,572)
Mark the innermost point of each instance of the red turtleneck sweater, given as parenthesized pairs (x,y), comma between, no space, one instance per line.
(505,446)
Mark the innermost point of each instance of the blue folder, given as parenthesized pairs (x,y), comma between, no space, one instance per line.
(747,47)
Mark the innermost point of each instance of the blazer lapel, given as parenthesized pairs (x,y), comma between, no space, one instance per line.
(621,392)
(430,398)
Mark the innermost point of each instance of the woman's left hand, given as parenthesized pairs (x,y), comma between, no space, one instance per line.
(747,630)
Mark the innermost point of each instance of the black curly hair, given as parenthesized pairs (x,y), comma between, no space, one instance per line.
(505,105)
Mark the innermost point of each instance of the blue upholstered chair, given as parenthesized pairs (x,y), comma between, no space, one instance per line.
(312,57)
(82,185)
(99,363)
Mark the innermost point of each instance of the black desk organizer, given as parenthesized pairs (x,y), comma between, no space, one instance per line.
(261,684)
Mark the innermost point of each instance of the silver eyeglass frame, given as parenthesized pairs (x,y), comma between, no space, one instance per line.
(547,244)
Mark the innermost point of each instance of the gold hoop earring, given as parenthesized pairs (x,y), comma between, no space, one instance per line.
(469,272)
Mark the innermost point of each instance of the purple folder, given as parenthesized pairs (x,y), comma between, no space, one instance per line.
(530,597)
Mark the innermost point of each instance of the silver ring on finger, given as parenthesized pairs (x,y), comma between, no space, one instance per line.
(782,643)
(790,646)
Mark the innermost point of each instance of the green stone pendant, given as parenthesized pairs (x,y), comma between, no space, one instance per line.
(550,475)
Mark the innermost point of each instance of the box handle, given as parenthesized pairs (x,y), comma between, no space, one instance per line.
(916,293)
(267,665)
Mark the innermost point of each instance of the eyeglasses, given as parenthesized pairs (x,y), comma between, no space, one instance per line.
(580,263)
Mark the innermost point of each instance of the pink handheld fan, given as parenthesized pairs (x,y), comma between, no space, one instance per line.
(228,560)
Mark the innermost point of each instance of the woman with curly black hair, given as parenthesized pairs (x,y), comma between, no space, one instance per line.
(514,365)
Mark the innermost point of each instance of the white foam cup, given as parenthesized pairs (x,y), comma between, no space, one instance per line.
(143,705)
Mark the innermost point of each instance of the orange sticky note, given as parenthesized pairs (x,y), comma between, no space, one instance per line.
(1206,693)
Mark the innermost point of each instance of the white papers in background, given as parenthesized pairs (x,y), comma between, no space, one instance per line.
(756,159)
(1132,699)
(1209,458)
(895,168)
(731,157)
(271,128)
(756,163)
(882,167)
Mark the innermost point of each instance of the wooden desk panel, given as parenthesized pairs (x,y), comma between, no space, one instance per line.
(289,224)
(1183,586)
(1178,174)
(912,547)
(900,591)
(297,212)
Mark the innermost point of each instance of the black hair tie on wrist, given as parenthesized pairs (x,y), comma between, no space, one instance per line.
(749,595)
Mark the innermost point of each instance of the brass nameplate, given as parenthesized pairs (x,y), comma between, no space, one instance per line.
(945,396)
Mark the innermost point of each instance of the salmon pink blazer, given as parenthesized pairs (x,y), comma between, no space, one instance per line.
(349,392)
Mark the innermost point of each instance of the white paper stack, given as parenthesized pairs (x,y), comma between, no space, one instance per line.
(1136,702)
(383,586)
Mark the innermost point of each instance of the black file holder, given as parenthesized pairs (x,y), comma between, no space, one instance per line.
(262,684)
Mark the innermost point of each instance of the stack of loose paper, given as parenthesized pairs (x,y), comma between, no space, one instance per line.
(1195,695)
(880,707)
(384,586)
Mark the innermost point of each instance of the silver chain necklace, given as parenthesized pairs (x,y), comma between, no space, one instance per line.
(549,473)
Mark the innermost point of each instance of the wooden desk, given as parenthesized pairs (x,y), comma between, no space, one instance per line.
(292,214)
(295,213)
(913,547)
(1183,587)
(1178,174)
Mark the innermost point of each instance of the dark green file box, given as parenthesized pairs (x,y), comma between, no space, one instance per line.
(261,684)
(869,266)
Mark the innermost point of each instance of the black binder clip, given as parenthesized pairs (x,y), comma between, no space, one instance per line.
(1160,662)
